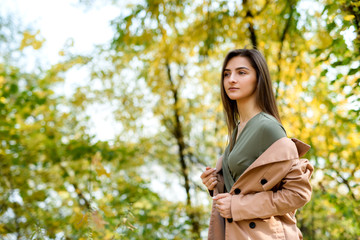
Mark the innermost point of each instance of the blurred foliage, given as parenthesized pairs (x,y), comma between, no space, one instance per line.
(161,75)
(57,181)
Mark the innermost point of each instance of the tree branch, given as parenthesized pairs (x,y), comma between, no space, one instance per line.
(347,184)
(282,39)
(251,28)
(79,192)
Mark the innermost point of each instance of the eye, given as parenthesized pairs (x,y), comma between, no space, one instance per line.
(226,74)
(242,73)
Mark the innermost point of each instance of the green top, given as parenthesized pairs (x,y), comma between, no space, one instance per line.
(259,133)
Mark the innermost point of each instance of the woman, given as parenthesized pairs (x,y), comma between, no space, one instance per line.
(260,180)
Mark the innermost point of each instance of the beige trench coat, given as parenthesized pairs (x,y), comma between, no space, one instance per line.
(266,196)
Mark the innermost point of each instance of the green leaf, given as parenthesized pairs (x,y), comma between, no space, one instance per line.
(352,71)
(345,61)
(324,72)
(331,26)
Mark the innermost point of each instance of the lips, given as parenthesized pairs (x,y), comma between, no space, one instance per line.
(233,88)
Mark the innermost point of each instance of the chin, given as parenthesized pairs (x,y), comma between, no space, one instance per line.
(239,98)
(234,97)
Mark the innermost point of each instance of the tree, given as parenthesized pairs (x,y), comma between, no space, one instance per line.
(57,181)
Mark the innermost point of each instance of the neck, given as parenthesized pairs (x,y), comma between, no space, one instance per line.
(247,109)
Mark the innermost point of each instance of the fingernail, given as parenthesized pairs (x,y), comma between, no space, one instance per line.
(214,168)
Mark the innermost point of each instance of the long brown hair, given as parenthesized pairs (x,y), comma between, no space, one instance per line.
(265,98)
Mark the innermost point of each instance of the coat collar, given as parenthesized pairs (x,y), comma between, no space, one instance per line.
(302,147)
(281,150)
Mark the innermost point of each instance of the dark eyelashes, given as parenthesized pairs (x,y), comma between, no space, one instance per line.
(227,74)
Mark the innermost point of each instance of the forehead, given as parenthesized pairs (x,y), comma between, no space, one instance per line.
(237,62)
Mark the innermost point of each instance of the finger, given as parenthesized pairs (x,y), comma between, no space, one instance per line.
(208,172)
(208,184)
(224,215)
(220,196)
(210,180)
(218,208)
(212,185)
(204,178)
(207,179)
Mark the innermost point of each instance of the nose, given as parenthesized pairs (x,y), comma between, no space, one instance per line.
(232,78)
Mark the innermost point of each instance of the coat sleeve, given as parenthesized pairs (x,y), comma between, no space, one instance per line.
(294,193)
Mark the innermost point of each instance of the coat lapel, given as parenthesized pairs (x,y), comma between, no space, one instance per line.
(281,150)
(284,149)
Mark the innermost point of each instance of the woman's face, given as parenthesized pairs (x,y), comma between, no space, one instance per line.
(239,79)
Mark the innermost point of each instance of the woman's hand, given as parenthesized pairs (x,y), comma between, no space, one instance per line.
(209,178)
(223,204)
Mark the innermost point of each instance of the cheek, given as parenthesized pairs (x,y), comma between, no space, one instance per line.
(250,82)
(225,83)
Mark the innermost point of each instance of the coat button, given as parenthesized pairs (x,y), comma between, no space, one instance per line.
(252,225)
(263,181)
(230,220)
(237,191)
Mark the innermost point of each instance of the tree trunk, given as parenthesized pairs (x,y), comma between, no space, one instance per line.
(282,39)
(251,29)
(179,136)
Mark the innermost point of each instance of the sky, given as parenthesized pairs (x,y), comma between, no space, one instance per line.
(61,20)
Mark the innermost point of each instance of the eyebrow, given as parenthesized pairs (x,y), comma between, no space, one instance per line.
(237,69)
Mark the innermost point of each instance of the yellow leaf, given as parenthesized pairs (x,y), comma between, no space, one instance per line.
(99,168)
(107,211)
(79,219)
(349,17)
(101,171)
(2,81)
(96,158)
(2,229)
(31,40)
